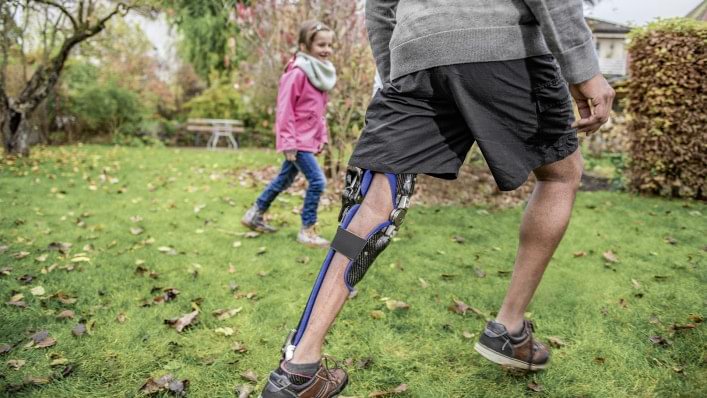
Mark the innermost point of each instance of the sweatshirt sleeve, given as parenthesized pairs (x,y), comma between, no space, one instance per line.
(380,22)
(568,37)
(287,95)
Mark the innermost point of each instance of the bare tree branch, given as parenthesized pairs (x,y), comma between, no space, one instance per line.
(63,11)
(47,75)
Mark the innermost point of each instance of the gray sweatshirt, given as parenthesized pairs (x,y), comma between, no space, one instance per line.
(410,35)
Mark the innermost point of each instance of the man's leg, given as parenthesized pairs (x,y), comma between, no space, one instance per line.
(509,339)
(374,210)
(544,223)
(374,206)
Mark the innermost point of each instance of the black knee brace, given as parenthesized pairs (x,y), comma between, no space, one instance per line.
(361,252)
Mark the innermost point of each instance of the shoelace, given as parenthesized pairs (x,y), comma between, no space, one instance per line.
(325,364)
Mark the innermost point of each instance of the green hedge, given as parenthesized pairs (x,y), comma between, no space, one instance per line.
(667,104)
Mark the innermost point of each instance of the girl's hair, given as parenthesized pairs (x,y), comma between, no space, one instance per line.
(308,30)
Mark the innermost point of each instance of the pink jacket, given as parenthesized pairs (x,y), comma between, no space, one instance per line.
(299,118)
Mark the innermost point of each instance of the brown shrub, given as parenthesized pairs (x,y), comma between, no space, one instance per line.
(667,103)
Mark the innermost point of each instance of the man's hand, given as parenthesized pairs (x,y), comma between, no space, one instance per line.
(291,155)
(594,98)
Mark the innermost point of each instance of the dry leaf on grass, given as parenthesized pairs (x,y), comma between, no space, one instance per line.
(610,256)
(79,330)
(182,322)
(250,376)
(223,313)
(396,305)
(397,390)
(165,383)
(244,390)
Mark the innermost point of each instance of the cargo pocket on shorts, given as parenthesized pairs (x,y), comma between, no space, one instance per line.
(553,107)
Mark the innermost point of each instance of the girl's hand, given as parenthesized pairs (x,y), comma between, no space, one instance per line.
(321,148)
(291,155)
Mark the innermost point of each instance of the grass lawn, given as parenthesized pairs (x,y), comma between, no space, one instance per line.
(624,297)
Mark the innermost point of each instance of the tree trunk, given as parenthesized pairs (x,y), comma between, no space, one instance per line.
(15,132)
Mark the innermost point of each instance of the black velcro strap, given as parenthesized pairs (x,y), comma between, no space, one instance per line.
(347,243)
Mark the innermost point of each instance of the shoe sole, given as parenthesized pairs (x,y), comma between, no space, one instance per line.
(256,229)
(336,393)
(503,360)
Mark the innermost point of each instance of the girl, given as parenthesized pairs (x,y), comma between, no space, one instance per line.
(301,131)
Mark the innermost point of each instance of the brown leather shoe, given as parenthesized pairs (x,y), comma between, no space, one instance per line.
(522,351)
(326,383)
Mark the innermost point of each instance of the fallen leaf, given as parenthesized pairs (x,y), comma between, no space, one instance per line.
(20,255)
(458,239)
(670,240)
(231,269)
(636,284)
(423,283)
(468,335)
(244,390)
(62,247)
(36,380)
(79,330)
(226,331)
(25,279)
(37,291)
(251,234)
(610,256)
(63,298)
(16,364)
(581,253)
(303,259)
(165,383)
(660,340)
(237,244)
(396,305)
(250,376)
(4,271)
(556,342)
(459,307)
(397,390)
(136,219)
(223,313)
(376,314)
(66,314)
(661,278)
(121,318)
(136,230)
(263,274)
(687,326)
(533,386)
(261,250)
(185,320)
(623,303)
(5,348)
(59,361)
(239,347)
(695,318)
(170,251)
(599,360)
(41,258)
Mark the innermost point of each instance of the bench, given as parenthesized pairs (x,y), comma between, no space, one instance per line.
(218,128)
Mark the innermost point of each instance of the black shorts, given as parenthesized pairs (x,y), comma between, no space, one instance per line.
(519,111)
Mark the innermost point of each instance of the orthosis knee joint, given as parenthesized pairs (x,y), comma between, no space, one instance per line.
(363,251)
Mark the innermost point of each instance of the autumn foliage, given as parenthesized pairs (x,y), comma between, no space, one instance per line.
(667,103)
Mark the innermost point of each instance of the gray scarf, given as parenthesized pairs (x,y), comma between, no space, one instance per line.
(322,74)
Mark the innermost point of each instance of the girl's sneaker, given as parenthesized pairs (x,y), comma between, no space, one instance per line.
(325,383)
(253,219)
(308,236)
